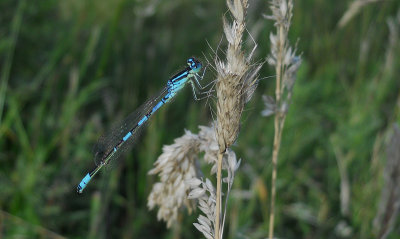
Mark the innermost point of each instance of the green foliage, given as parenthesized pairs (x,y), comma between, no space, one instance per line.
(70,69)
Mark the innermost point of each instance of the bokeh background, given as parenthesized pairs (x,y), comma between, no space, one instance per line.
(72,68)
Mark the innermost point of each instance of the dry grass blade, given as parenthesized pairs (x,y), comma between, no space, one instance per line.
(353,10)
(390,197)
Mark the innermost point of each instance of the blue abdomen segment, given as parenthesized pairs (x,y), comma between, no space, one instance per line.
(142,120)
(83,183)
(157,106)
(129,134)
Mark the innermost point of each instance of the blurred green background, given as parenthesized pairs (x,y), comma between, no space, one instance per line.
(72,68)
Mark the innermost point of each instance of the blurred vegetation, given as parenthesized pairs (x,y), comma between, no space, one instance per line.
(70,69)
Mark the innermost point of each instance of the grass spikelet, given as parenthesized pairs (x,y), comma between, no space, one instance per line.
(236,82)
(180,184)
(286,64)
(236,78)
(174,166)
(179,175)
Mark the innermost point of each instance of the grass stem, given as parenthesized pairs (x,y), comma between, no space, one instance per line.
(218,203)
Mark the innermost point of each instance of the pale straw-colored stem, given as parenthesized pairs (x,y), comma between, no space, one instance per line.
(278,125)
(218,203)
(274,173)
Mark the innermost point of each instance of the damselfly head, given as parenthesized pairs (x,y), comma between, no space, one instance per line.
(194,64)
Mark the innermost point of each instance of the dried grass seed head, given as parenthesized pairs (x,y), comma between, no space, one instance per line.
(236,80)
(175,165)
(178,170)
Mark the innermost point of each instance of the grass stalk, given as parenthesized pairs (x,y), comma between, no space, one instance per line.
(286,64)
(278,125)
(218,203)
(235,85)
(279,122)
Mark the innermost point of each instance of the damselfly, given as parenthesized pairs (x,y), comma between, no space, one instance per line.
(124,135)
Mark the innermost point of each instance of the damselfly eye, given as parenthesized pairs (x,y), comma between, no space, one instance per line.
(191,62)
